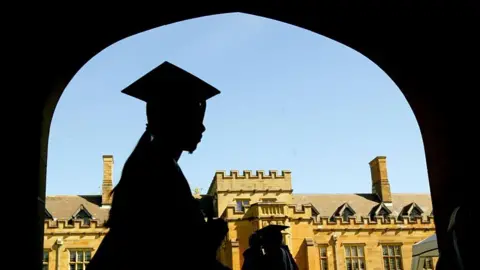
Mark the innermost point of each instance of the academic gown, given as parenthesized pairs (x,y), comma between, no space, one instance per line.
(163,226)
(275,258)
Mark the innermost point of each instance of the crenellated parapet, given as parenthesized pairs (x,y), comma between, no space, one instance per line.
(368,221)
(73,227)
(308,214)
(253,175)
(252,181)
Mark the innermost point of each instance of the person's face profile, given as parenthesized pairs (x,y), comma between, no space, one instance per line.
(181,124)
(190,128)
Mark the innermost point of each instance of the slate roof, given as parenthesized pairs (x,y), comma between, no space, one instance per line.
(63,207)
(363,204)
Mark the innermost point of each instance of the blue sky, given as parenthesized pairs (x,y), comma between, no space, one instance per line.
(291,99)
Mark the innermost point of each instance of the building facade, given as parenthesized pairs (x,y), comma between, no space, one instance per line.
(327,231)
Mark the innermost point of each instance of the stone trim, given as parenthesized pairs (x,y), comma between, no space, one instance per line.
(77,225)
(253,191)
(247,175)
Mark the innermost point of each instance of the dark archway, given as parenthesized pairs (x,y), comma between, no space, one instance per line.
(423,52)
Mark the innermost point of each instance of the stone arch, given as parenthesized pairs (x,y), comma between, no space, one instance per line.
(408,52)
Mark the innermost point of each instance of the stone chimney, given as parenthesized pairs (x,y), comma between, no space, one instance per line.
(380,184)
(107,184)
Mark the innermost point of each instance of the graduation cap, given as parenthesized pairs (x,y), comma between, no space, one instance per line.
(170,83)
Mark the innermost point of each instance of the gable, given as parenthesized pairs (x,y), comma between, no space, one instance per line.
(412,210)
(380,210)
(345,211)
(82,213)
(66,207)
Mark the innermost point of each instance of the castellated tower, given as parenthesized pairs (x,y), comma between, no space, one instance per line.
(249,188)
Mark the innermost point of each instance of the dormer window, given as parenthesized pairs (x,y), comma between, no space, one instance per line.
(380,210)
(82,214)
(415,212)
(345,211)
(412,211)
(315,212)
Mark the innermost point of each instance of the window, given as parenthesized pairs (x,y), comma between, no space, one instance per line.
(415,213)
(83,215)
(347,213)
(384,213)
(354,258)
(240,206)
(412,210)
(45,260)
(380,210)
(323,257)
(428,264)
(79,259)
(392,257)
(344,211)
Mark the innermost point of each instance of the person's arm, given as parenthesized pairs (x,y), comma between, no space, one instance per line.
(247,260)
(290,256)
(217,230)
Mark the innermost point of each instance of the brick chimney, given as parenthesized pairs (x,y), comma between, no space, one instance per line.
(107,183)
(380,184)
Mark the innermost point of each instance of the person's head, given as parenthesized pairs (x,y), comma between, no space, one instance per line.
(181,125)
(176,103)
(272,235)
(273,238)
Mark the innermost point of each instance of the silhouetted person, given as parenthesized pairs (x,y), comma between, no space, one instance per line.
(274,255)
(154,220)
(252,257)
(459,236)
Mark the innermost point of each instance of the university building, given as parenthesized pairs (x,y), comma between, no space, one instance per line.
(327,231)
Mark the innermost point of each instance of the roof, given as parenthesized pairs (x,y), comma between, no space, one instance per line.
(64,207)
(363,204)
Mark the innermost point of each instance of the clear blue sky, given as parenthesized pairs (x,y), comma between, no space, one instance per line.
(291,99)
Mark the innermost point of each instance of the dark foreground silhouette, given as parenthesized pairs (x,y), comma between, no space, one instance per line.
(154,221)
(267,251)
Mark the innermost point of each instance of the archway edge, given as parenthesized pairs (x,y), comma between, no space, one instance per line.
(331,22)
(407,52)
